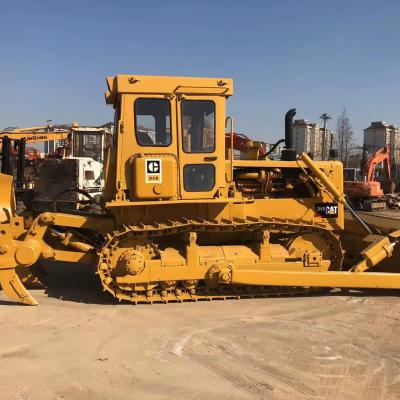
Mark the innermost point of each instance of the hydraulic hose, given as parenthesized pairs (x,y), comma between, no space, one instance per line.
(271,150)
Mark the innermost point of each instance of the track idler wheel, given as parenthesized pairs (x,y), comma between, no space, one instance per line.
(190,285)
(168,285)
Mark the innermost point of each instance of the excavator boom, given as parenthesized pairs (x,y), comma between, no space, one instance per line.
(380,156)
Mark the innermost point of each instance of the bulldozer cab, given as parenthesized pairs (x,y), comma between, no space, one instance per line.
(170,138)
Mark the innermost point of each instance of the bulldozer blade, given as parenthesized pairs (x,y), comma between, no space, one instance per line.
(7,200)
(14,288)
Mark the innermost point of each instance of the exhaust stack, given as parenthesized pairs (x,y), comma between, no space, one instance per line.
(288,153)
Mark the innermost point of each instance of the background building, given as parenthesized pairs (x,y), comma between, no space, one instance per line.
(309,137)
(378,135)
(276,154)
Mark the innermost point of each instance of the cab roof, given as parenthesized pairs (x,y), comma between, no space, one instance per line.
(167,85)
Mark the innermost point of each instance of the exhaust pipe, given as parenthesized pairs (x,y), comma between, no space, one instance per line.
(289,128)
(21,162)
(6,156)
(288,153)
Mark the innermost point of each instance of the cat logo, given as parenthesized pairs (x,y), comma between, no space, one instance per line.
(327,210)
(153,170)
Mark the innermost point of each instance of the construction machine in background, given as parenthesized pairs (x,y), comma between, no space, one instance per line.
(366,190)
(245,147)
(81,168)
(20,159)
(183,220)
(242,147)
(76,154)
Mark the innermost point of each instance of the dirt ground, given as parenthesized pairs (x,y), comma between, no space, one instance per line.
(80,344)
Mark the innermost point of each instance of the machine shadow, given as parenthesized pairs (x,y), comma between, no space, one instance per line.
(75,282)
(11,303)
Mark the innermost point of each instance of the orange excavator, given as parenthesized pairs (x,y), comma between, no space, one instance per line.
(368,193)
(381,156)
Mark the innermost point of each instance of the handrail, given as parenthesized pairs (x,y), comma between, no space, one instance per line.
(230,119)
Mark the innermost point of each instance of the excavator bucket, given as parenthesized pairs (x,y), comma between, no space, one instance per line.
(9,280)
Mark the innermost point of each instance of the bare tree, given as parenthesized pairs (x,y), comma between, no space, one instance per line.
(344,137)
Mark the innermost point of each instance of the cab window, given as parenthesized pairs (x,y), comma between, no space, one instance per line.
(198,177)
(153,122)
(198,126)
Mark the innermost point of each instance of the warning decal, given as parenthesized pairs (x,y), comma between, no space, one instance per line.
(153,170)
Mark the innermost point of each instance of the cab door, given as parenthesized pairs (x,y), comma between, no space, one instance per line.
(201,138)
(149,148)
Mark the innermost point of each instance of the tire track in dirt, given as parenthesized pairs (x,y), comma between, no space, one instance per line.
(333,368)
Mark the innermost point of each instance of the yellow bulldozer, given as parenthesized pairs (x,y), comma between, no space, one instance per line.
(182,219)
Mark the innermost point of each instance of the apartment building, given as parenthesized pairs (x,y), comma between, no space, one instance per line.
(379,134)
(309,137)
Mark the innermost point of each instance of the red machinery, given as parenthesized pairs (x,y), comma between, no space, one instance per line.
(369,191)
(253,149)
(382,155)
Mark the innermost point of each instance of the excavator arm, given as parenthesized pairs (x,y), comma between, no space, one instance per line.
(382,155)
